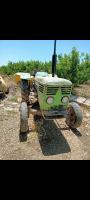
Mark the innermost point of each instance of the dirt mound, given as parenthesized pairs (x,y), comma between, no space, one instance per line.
(87,82)
(9,79)
(82,90)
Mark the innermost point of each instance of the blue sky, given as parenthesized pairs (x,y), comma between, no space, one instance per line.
(16,50)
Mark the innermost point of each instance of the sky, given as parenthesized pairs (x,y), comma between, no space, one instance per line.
(23,50)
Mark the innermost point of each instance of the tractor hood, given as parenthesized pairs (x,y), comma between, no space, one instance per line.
(54,81)
(20,76)
(25,76)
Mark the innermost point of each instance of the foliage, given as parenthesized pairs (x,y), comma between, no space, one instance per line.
(74,66)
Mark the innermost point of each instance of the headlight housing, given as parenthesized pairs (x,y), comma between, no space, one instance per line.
(65,100)
(50,100)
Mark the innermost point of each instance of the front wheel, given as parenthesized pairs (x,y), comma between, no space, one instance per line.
(74,115)
(24,118)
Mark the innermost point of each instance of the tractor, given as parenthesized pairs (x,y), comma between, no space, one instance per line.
(47,95)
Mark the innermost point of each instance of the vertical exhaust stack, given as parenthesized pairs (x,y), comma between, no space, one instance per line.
(54,60)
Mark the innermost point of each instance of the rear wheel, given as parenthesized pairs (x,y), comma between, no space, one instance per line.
(74,116)
(24,118)
(25,96)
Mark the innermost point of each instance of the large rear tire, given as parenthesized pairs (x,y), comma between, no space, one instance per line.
(24,118)
(74,116)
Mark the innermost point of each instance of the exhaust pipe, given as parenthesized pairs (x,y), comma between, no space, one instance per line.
(54,60)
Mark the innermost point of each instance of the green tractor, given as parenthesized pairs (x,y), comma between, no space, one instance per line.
(51,98)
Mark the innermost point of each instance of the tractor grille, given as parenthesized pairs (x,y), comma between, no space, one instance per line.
(52,90)
(41,88)
(66,90)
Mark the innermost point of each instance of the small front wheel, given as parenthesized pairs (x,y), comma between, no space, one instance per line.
(24,118)
(74,115)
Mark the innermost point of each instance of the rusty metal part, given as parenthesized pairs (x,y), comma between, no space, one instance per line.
(35,112)
(71,117)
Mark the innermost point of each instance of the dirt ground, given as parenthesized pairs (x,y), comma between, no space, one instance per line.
(62,143)
(83,90)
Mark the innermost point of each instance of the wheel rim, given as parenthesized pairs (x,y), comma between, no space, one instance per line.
(71,117)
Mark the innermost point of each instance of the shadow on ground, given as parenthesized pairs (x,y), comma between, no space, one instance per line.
(52,141)
(22,137)
(2,96)
(55,143)
(76,132)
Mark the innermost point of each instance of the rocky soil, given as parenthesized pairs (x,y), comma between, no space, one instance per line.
(62,143)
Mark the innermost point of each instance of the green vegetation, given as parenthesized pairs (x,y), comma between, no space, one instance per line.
(74,66)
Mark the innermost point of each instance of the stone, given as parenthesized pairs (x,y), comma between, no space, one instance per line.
(81,100)
(87,134)
(88,115)
(8,109)
(87,102)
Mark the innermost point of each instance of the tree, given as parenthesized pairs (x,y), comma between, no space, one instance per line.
(75,61)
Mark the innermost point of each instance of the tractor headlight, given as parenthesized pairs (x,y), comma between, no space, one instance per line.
(65,100)
(50,100)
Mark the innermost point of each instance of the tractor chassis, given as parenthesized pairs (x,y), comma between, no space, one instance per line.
(30,105)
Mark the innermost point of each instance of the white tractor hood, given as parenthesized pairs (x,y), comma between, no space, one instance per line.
(53,81)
